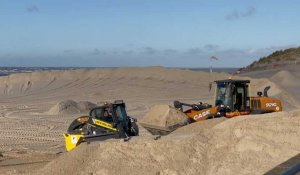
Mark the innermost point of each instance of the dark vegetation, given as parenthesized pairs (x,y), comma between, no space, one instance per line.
(278,58)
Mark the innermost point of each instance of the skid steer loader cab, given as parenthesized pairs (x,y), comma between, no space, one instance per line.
(112,114)
(233,95)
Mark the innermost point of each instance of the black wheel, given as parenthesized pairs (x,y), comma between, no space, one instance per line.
(134,129)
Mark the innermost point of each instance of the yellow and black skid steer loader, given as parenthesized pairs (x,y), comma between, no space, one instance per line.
(104,122)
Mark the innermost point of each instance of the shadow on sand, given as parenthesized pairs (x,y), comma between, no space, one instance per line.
(289,167)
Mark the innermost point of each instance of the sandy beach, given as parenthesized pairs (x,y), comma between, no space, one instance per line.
(36,109)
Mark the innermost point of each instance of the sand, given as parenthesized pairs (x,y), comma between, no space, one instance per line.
(163,117)
(71,107)
(37,108)
(245,145)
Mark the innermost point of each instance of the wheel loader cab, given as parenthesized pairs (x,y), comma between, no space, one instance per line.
(233,94)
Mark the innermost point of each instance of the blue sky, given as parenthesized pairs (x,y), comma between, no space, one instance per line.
(145,33)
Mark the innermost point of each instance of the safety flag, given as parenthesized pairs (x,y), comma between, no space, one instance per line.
(214,58)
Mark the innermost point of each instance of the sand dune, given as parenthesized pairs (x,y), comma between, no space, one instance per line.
(26,82)
(30,83)
(98,85)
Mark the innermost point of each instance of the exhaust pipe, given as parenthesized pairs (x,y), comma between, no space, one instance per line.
(266,91)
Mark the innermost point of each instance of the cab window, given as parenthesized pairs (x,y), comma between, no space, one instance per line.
(220,96)
(102,114)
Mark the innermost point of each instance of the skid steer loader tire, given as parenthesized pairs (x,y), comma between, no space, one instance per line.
(134,129)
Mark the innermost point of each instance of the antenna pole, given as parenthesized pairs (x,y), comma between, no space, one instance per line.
(210,66)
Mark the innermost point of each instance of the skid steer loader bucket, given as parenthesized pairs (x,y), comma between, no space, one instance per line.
(163,119)
(72,140)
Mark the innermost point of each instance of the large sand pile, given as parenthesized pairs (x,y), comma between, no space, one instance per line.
(88,80)
(119,83)
(71,107)
(163,117)
(285,78)
(243,145)
(289,84)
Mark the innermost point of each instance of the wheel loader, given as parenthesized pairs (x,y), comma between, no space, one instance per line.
(232,99)
(104,122)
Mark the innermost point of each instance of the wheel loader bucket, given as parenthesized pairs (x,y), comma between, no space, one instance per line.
(72,140)
(163,119)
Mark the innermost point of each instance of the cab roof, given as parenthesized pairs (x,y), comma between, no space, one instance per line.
(111,104)
(233,81)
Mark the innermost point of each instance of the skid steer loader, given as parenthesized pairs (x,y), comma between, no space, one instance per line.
(104,122)
(232,99)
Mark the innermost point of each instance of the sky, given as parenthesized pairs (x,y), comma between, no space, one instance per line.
(170,33)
